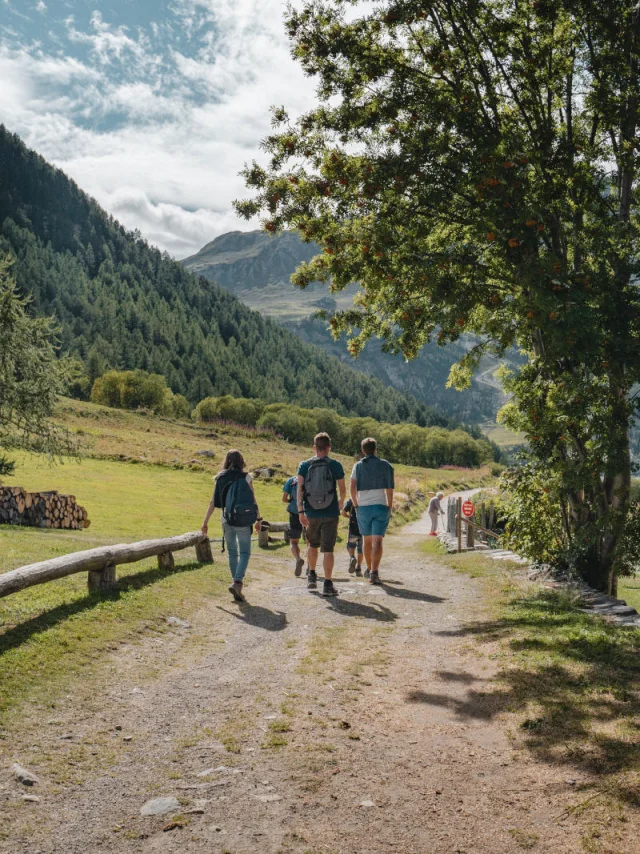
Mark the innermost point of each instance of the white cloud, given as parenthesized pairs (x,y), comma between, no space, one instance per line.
(41,6)
(159,139)
(109,43)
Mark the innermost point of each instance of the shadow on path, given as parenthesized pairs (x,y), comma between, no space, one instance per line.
(348,608)
(476,704)
(414,595)
(574,681)
(256,615)
(450,676)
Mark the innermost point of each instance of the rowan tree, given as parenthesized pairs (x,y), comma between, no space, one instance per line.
(473,165)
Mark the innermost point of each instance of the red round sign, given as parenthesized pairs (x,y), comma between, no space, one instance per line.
(468,508)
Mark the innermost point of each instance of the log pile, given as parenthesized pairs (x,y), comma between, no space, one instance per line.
(41,509)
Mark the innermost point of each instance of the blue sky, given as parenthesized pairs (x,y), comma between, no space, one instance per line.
(152,107)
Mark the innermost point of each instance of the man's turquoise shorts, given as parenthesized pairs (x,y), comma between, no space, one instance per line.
(373,520)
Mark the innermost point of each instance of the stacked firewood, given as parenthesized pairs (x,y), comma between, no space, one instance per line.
(40,509)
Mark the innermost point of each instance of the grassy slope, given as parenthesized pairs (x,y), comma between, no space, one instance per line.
(54,633)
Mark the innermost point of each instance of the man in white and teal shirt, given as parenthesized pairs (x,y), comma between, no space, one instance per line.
(372,485)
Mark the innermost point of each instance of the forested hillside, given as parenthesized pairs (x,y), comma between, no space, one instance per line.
(256,267)
(123,304)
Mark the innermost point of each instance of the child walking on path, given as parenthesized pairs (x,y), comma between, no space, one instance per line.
(290,498)
(235,496)
(354,539)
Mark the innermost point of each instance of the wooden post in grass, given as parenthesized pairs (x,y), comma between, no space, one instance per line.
(471,538)
(166,561)
(459,523)
(263,536)
(102,579)
(203,551)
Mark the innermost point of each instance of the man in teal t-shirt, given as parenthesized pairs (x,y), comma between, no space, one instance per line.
(320,479)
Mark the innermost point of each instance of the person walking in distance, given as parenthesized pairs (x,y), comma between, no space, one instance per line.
(372,485)
(235,496)
(354,538)
(290,498)
(435,510)
(319,480)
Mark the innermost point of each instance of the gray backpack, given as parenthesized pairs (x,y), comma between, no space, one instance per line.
(319,484)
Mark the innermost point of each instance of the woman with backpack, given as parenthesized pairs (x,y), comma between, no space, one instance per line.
(235,496)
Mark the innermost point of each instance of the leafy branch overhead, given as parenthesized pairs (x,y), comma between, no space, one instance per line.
(474,167)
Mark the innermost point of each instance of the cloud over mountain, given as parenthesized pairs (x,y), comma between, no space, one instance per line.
(152,107)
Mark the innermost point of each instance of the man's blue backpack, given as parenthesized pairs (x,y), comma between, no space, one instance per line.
(240,508)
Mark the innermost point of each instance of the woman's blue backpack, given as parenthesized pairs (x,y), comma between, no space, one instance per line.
(240,508)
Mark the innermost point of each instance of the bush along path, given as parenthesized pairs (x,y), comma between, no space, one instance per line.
(424,715)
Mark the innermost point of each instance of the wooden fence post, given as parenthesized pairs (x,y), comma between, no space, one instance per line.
(459,523)
(203,551)
(102,579)
(263,536)
(166,561)
(471,539)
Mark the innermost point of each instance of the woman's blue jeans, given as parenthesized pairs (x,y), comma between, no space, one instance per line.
(238,541)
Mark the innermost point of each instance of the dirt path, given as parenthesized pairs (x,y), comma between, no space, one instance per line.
(294,724)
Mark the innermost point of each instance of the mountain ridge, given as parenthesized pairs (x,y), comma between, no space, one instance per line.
(256,267)
(123,304)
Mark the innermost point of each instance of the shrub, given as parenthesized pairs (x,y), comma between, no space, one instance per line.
(133,390)
(178,406)
(240,410)
(407,443)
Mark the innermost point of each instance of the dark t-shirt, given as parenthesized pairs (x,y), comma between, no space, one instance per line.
(349,508)
(223,481)
(334,508)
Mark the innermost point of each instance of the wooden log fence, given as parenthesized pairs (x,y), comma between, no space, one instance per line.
(100,563)
(456,519)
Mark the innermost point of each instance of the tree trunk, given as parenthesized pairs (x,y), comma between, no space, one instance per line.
(602,573)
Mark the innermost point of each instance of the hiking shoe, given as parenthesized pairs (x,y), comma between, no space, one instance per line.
(358,572)
(298,570)
(353,563)
(374,577)
(312,581)
(236,591)
(366,573)
(328,589)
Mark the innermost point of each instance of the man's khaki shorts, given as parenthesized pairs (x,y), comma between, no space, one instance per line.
(323,532)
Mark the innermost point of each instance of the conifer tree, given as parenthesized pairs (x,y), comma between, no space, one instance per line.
(31,377)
